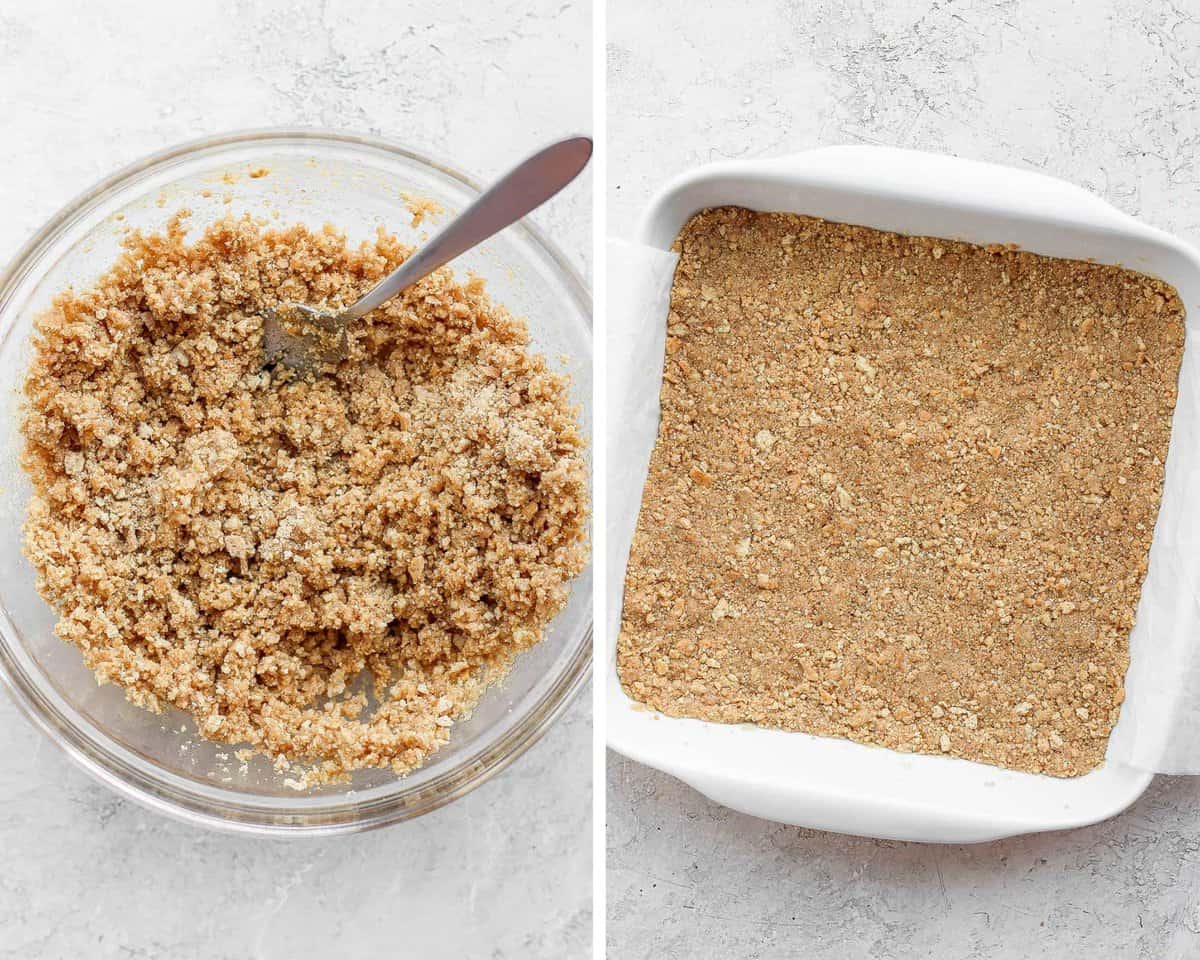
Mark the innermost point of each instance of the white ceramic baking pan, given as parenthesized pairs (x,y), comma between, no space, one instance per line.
(835,784)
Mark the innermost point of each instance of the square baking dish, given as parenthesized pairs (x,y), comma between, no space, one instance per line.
(834,784)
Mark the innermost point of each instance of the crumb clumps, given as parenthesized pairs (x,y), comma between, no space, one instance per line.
(903,490)
(331,569)
(420,208)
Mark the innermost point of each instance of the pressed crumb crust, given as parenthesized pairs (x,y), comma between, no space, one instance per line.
(903,490)
(244,544)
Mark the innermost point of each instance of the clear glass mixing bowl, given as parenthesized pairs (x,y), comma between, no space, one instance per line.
(355,183)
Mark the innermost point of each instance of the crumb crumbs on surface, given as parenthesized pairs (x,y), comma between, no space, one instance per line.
(420,208)
(903,490)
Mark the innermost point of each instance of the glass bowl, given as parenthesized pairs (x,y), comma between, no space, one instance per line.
(355,183)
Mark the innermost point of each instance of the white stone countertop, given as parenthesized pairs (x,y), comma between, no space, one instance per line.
(88,87)
(1103,93)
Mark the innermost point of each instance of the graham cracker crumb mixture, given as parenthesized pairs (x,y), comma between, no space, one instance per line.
(245,544)
(421,207)
(903,490)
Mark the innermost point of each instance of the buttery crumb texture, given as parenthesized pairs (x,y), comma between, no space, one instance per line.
(903,491)
(246,544)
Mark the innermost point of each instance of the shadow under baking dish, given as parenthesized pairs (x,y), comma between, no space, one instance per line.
(314,178)
(838,785)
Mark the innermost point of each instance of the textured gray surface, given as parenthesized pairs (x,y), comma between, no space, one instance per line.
(505,872)
(1099,92)
(687,878)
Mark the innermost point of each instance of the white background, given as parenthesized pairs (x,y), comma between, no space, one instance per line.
(1103,93)
(88,87)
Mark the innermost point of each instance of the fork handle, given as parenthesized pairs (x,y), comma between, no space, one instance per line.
(526,187)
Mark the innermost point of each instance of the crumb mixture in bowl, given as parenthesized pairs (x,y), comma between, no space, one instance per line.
(329,570)
(903,490)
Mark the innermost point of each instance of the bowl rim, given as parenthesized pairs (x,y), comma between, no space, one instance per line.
(171,797)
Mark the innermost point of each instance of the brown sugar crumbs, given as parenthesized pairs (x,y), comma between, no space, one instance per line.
(329,569)
(420,208)
(903,491)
